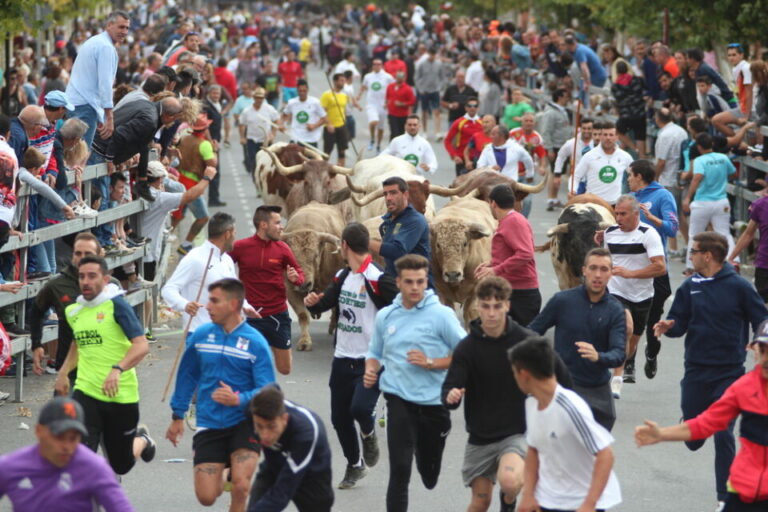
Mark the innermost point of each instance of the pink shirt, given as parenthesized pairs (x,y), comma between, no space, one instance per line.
(512,254)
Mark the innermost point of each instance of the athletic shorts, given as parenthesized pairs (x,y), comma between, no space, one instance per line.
(198,207)
(639,312)
(482,460)
(339,138)
(275,328)
(216,445)
(637,126)
(429,101)
(738,114)
(566,167)
(376,113)
(761,282)
(114,426)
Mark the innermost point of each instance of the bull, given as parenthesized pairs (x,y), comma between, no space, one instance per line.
(573,237)
(313,233)
(460,235)
(271,184)
(480,182)
(313,180)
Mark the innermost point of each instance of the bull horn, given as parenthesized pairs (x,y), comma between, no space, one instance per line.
(557,230)
(353,187)
(339,195)
(450,191)
(346,171)
(543,248)
(285,171)
(313,152)
(367,199)
(532,189)
(604,225)
(331,239)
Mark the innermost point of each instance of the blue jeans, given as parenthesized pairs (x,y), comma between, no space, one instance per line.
(89,116)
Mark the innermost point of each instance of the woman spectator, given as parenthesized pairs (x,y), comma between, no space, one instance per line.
(610,57)
(12,99)
(490,94)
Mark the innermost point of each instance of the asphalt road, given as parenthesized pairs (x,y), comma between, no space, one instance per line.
(665,478)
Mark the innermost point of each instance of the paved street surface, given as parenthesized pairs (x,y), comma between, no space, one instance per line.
(665,478)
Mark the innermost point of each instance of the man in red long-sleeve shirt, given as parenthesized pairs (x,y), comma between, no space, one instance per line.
(748,396)
(263,262)
(400,99)
(512,256)
(460,132)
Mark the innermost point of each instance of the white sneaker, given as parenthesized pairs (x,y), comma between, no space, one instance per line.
(4,396)
(720,506)
(370,146)
(84,212)
(616,383)
(439,137)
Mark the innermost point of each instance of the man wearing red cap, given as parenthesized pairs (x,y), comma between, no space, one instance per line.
(196,155)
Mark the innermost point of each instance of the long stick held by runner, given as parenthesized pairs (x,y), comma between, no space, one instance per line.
(343,114)
(186,330)
(577,122)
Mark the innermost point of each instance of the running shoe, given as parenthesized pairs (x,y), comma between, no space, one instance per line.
(370,449)
(651,365)
(370,147)
(616,383)
(148,453)
(629,372)
(506,507)
(4,396)
(352,476)
(84,212)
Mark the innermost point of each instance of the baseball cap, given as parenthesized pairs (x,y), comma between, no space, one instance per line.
(761,334)
(259,92)
(156,170)
(58,99)
(62,414)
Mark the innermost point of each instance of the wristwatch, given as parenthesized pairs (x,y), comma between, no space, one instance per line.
(176,417)
(206,178)
(430,363)
(118,367)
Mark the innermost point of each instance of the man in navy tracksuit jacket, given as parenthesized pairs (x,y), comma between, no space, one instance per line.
(297,457)
(714,309)
(226,362)
(657,208)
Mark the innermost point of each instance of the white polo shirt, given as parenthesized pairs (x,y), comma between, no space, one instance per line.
(377,83)
(257,122)
(303,113)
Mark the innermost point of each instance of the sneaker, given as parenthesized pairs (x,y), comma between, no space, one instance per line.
(720,506)
(142,190)
(506,507)
(550,206)
(616,383)
(370,147)
(84,212)
(439,137)
(50,367)
(217,204)
(150,338)
(629,372)
(4,396)
(352,475)
(651,366)
(148,453)
(370,449)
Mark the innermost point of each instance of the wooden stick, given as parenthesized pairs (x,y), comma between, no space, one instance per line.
(186,330)
(575,142)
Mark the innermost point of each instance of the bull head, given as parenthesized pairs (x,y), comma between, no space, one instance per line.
(330,239)
(285,171)
(477,231)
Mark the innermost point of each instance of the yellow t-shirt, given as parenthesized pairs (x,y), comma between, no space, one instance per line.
(305,46)
(335,105)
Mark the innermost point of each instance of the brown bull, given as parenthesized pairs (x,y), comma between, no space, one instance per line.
(481,181)
(314,235)
(271,185)
(460,235)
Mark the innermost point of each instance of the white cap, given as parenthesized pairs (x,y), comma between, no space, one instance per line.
(156,170)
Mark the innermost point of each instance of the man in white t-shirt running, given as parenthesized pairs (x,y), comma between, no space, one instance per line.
(413,148)
(376,82)
(638,257)
(569,464)
(359,291)
(305,115)
(603,167)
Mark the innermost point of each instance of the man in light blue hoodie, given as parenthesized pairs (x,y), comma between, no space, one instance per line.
(659,209)
(409,356)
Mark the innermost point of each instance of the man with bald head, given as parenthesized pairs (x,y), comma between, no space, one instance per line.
(26,127)
(456,95)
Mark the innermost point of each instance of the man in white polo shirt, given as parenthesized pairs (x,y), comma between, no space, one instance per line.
(603,167)
(638,257)
(413,148)
(258,126)
(376,83)
(305,115)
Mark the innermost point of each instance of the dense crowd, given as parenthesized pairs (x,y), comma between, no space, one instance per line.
(646,136)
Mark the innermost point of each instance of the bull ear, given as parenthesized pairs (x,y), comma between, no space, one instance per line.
(339,196)
(557,230)
(477,230)
(330,239)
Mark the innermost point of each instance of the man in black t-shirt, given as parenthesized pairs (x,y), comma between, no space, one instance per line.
(455,96)
(270,81)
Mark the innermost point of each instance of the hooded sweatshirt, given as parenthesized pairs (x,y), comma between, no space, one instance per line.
(661,204)
(430,327)
(494,406)
(715,314)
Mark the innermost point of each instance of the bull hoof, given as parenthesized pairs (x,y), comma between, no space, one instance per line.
(304,346)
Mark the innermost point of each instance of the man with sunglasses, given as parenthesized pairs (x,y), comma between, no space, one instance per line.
(460,132)
(716,333)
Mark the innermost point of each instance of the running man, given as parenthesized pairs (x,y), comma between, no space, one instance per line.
(305,116)
(413,148)
(376,83)
(108,344)
(226,362)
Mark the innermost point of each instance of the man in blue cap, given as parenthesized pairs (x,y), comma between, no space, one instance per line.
(56,106)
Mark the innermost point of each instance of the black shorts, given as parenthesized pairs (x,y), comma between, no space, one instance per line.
(113,423)
(566,165)
(639,312)
(637,126)
(150,267)
(216,445)
(275,328)
(761,282)
(339,138)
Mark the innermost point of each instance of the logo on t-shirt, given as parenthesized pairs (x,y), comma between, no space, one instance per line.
(376,86)
(242,344)
(302,117)
(411,159)
(608,174)
(26,483)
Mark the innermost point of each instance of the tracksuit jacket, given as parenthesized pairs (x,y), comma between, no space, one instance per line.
(242,359)
(662,204)
(746,396)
